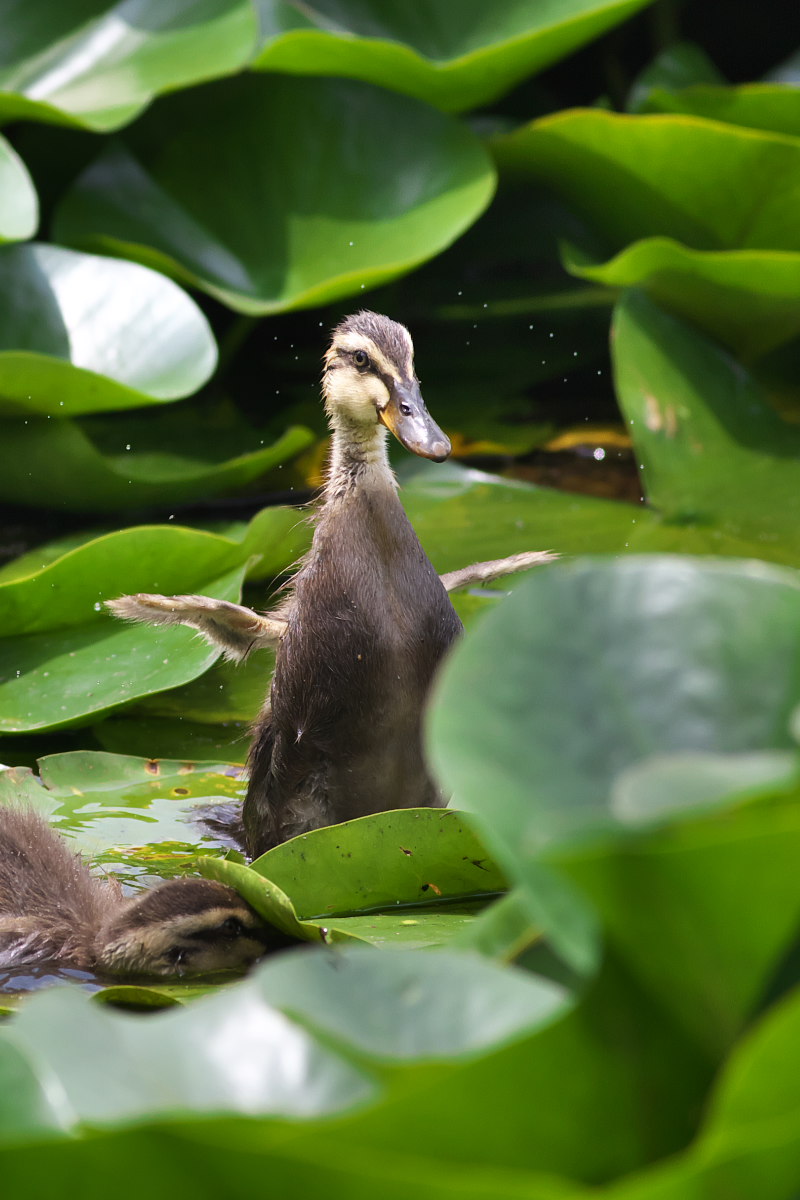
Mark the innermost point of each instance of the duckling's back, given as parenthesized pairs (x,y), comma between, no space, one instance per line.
(49,903)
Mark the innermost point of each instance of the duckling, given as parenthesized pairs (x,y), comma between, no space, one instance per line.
(367,619)
(52,909)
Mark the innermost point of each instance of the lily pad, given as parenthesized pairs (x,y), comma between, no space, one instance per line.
(712,449)
(72,329)
(84,479)
(98,64)
(535,753)
(745,298)
(606,664)
(405,1007)
(130,814)
(453,56)
(161,737)
(193,191)
(423,867)
(65,663)
(19,204)
(227,1053)
(735,190)
(772,107)
(675,896)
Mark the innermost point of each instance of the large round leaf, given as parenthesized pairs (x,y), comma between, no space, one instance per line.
(97,63)
(594,666)
(63,658)
(455,56)
(80,334)
(746,298)
(273,193)
(19,204)
(712,449)
(709,185)
(191,465)
(774,107)
(227,1053)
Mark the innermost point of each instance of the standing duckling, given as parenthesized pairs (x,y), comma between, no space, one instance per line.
(53,910)
(367,619)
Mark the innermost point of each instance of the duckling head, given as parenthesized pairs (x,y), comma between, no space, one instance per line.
(369,380)
(185,926)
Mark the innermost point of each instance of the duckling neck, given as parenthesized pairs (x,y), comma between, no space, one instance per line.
(358,459)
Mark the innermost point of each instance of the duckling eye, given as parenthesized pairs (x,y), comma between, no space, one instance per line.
(405,409)
(232,927)
(361,359)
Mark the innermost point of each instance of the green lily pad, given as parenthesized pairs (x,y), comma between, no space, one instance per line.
(193,190)
(591,685)
(19,204)
(711,448)
(578,680)
(65,663)
(131,814)
(162,737)
(227,692)
(745,298)
(450,55)
(98,64)
(423,867)
(227,1053)
(72,328)
(425,854)
(735,190)
(676,896)
(772,107)
(679,65)
(84,479)
(404,1007)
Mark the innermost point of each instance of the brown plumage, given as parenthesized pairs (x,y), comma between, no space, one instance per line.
(52,909)
(368,619)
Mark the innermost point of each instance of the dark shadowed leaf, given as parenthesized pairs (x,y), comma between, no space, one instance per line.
(712,449)
(255,191)
(745,298)
(83,478)
(773,107)
(453,56)
(736,187)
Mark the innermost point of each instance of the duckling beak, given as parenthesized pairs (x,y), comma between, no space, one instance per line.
(411,423)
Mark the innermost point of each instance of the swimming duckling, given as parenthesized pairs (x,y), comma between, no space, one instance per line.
(367,619)
(52,909)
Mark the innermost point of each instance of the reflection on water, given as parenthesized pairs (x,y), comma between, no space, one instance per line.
(30,978)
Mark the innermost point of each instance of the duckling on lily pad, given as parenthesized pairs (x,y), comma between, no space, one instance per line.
(53,910)
(366,622)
